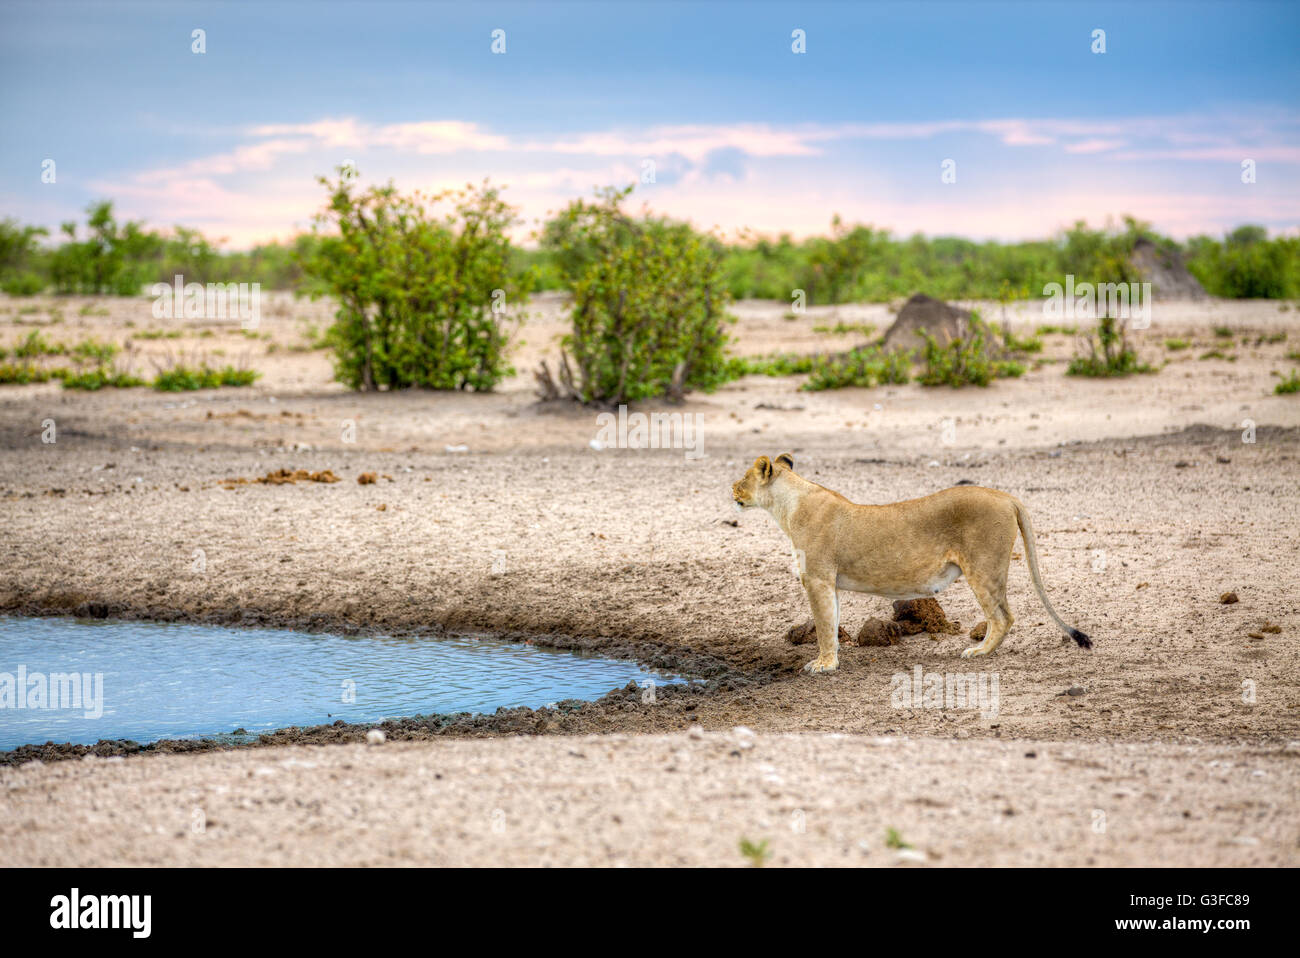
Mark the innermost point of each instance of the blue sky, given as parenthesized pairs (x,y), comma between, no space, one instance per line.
(742,132)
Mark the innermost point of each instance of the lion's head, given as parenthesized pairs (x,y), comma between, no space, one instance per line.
(751,489)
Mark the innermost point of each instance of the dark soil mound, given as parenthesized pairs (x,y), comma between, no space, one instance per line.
(945,323)
(1165,271)
(807,632)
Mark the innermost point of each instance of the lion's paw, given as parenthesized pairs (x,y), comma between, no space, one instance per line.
(820,665)
(973,651)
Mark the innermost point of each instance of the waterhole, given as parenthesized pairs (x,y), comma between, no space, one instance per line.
(79,681)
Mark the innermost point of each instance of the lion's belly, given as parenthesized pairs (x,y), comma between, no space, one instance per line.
(893,589)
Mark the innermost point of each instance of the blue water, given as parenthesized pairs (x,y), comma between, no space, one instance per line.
(191,681)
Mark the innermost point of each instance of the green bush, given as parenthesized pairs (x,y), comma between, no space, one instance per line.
(781,364)
(185,378)
(99,378)
(1247,264)
(1109,353)
(20,374)
(1289,384)
(973,359)
(22,284)
(649,306)
(114,258)
(421,297)
(92,350)
(35,344)
(865,367)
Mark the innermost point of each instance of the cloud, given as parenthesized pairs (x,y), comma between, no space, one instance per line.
(766,176)
(1094,145)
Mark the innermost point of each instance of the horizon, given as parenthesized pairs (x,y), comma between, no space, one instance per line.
(743,133)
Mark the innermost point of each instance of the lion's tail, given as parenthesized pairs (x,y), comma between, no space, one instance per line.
(1031,556)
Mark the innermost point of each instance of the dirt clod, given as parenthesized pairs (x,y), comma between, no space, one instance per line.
(923,615)
(282,477)
(878,632)
(807,632)
(1228,598)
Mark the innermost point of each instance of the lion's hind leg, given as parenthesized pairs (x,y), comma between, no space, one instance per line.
(990,588)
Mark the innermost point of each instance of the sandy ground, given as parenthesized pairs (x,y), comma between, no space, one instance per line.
(815,799)
(1147,503)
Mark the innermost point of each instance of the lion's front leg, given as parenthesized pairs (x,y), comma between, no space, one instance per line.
(825,610)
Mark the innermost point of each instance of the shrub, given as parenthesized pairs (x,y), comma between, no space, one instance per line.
(35,344)
(99,378)
(865,367)
(1289,384)
(782,364)
(1109,353)
(20,374)
(649,303)
(972,359)
(185,378)
(1247,264)
(114,258)
(93,350)
(22,284)
(421,297)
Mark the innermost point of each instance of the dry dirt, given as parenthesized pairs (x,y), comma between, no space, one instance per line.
(1147,503)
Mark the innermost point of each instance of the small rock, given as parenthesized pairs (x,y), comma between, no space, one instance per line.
(376,736)
(1228,598)
(695,732)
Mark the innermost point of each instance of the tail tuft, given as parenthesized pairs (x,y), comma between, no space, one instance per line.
(1081,638)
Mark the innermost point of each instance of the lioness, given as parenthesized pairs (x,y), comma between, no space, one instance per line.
(905,550)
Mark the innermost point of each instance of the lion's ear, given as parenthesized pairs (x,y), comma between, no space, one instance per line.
(786,459)
(764,467)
